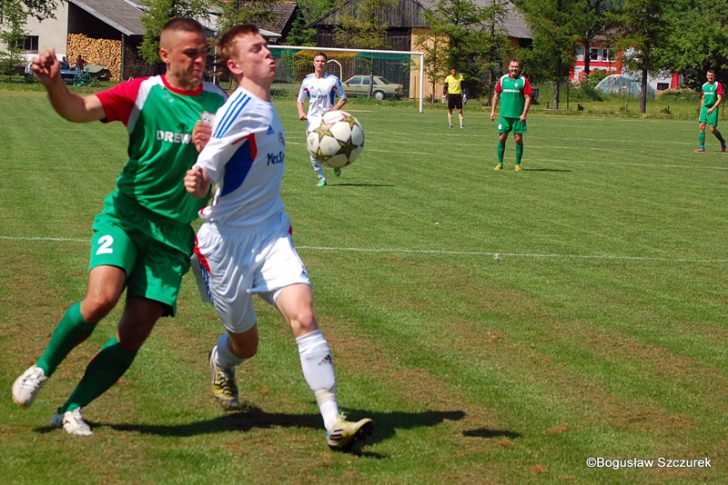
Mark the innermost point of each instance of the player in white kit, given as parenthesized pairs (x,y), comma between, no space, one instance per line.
(244,245)
(321,89)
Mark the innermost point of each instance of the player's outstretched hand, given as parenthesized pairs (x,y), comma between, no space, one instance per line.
(492,116)
(201,134)
(197,182)
(302,117)
(46,67)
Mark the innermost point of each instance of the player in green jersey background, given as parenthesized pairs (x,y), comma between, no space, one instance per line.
(142,240)
(709,103)
(514,91)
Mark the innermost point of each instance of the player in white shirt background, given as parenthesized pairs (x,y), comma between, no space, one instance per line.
(245,246)
(321,88)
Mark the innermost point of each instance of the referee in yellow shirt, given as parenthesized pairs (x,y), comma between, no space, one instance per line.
(454,90)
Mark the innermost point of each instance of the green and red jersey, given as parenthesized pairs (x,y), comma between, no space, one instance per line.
(160,119)
(711,92)
(513,94)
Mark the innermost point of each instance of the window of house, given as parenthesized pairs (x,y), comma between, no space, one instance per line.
(594,54)
(28,43)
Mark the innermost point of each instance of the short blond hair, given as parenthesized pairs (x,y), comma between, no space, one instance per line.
(226,43)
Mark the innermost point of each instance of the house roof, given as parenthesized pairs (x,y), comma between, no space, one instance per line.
(122,15)
(282,17)
(125,15)
(410,13)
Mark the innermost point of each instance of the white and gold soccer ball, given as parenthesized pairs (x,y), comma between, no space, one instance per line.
(337,141)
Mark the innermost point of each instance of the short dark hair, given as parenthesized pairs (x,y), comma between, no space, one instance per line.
(226,43)
(185,24)
(711,70)
(321,54)
(517,61)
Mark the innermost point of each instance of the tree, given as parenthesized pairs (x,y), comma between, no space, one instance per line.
(696,39)
(243,12)
(40,9)
(313,9)
(310,11)
(158,13)
(365,27)
(435,48)
(553,24)
(644,30)
(477,42)
(12,34)
(591,22)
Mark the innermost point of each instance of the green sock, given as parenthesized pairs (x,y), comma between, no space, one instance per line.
(701,139)
(70,331)
(501,151)
(519,153)
(107,366)
(719,137)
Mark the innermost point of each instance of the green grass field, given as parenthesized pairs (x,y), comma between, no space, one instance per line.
(498,327)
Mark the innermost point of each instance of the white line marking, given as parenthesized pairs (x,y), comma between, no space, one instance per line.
(439,252)
(41,238)
(502,255)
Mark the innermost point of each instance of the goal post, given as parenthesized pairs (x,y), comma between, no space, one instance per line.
(365,65)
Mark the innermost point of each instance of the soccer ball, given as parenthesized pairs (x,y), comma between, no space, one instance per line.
(337,141)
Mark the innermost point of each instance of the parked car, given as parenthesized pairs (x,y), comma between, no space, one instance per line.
(358,85)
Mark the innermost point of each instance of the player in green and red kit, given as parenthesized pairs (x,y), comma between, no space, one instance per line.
(142,240)
(709,103)
(514,91)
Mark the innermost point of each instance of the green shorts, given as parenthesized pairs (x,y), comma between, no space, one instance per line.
(515,125)
(125,235)
(709,119)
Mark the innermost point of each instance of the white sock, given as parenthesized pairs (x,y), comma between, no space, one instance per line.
(317,168)
(222,354)
(318,370)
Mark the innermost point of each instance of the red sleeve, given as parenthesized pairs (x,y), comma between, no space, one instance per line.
(527,90)
(118,101)
(720,89)
(498,87)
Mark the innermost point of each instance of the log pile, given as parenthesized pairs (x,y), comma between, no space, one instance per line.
(104,52)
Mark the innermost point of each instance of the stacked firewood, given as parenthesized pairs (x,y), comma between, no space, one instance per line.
(104,52)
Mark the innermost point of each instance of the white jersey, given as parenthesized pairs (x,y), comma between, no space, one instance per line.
(245,160)
(321,93)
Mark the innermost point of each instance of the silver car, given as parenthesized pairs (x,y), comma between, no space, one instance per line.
(381,88)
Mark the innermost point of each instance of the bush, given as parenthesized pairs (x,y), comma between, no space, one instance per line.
(595,77)
(682,94)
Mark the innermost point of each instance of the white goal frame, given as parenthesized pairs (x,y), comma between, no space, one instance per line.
(421,55)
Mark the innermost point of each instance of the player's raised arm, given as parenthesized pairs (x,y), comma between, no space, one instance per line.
(66,103)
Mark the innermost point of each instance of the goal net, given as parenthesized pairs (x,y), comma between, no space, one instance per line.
(369,73)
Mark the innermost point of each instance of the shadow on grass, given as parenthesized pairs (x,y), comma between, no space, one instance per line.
(491,433)
(385,423)
(347,184)
(546,170)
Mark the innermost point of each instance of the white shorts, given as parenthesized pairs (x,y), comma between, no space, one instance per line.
(236,264)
